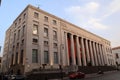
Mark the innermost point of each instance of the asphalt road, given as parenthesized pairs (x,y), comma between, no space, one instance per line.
(106,76)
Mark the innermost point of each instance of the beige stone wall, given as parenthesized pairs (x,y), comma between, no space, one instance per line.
(61,27)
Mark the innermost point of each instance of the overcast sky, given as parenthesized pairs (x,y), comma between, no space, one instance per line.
(101,17)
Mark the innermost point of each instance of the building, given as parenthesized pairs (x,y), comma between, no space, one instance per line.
(37,38)
(116,52)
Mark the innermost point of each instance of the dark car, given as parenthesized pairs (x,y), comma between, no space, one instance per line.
(17,77)
(76,75)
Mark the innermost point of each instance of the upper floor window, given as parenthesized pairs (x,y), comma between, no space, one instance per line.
(36,15)
(45,32)
(117,56)
(35,29)
(14,37)
(19,20)
(54,35)
(54,22)
(45,43)
(15,24)
(55,45)
(24,16)
(45,18)
(35,40)
(22,42)
(18,34)
(23,30)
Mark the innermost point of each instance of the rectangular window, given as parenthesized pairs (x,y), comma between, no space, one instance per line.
(46,57)
(55,58)
(12,59)
(45,43)
(24,16)
(17,47)
(35,40)
(55,45)
(36,15)
(15,25)
(16,58)
(35,29)
(54,22)
(19,20)
(34,56)
(117,56)
(21,56)
(54,35)
(18,34)
(22,42)
(14,37)
(45,32)
(45,18)
(23,30)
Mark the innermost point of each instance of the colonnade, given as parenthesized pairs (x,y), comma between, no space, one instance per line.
(83,51)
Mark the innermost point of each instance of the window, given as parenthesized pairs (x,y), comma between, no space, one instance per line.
(17,47)
(24,15)
(19,20)
(21,56)
(15,24)
(12,59)
(18,34)
(46,57)
(16,58)
(54,35)
(55,45)
(36,15)
(55,58)
(45,18)
(34,56)
(54,22)
(23,30)
(35,40)
(117,56)
(35,29)
(45,43)
(22,42)
(14,36)
(45,32)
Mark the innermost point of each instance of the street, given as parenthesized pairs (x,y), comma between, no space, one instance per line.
(107,76)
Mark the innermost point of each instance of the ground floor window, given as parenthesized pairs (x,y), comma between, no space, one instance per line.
(55,57)
(46,57)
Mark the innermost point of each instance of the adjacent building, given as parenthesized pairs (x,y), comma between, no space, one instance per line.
(116,52)
(38,38)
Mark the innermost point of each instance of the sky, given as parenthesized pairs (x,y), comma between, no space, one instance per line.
(101,17)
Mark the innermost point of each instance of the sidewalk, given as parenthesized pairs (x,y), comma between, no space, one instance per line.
(96,75)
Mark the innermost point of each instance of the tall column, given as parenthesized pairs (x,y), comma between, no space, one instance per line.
(66,48)
(101,54)
(72,50)
(91,52)
(94,49)
(78,51)
(105,55)
(98,54)
(87,51)
(83,52)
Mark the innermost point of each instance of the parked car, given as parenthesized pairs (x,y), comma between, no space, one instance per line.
(17,77)
(77,75)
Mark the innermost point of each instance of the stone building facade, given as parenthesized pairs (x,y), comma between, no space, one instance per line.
(38,38)
(116,52)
